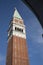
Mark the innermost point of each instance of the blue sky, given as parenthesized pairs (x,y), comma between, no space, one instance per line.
(33,31)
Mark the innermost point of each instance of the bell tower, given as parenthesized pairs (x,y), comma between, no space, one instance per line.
(17,49)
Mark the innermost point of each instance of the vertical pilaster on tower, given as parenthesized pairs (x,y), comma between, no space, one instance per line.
(17,49)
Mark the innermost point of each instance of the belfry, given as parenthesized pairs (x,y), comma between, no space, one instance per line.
(17,53)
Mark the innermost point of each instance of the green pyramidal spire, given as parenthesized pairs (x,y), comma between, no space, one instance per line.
(16,14)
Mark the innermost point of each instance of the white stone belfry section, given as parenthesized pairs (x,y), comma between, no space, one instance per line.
(16,27)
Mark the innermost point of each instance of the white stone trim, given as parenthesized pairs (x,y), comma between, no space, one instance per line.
(10,37)
(19,34)
(19,27)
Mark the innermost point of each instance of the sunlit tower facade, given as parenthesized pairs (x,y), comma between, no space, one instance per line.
(17,53)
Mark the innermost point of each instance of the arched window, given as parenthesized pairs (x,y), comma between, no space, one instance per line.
(18,29)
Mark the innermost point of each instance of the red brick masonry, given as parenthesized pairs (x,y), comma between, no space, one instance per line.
(17,53)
